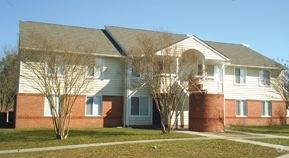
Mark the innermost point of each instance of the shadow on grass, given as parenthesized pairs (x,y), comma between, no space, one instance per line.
(37,135)
(271,129)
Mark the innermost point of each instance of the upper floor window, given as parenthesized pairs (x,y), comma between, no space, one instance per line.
(266,108)
(211,72)
(55,66)
(96,69)
(134,73)
(240,76)
(264,78)
(139,106)
(241,108)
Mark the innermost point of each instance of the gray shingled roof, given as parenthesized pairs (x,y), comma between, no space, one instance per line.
(242,55)
(127,37)
(73,35)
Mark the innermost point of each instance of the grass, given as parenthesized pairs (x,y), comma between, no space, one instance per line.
(277,141)
(31,138)
(194,148)
(272,129)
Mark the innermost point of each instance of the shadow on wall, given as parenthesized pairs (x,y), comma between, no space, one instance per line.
(7,123)
(113,109)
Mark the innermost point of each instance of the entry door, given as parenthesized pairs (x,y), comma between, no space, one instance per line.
(156,115)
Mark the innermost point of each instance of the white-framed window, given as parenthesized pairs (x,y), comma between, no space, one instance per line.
(264,78)
(266,108)
(287,111)
(134,73)
(210,72)
(139,106)
(240,76)
(96,70)
(241,107)
(56,66)
(93,106)
(47,110)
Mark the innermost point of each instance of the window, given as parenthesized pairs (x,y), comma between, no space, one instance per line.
(55,66)
(200,69)
(134,73)
(211,72)
(139,106)
(240,76)
(287,112)
(47,110)
(96,70)
(93,106)
(264,78)
(266,108)
(241,108)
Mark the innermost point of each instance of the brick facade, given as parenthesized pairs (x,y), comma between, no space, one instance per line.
(29,112)
(206,112)
(254,113)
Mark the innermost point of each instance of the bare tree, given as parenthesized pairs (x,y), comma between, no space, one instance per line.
(163,68)
(61,72)
(279,81)
(9,70)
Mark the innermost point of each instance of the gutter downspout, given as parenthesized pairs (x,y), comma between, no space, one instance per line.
(223,91)
(177,77)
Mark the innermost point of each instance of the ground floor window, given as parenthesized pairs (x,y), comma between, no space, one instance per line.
(47,109)
(93,106)
(241,108)
(287,111)
(266,108)
(139,106)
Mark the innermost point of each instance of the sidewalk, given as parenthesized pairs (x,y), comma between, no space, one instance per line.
(204,135)
(244,139)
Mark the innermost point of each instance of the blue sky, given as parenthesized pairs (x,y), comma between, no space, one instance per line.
(264,25)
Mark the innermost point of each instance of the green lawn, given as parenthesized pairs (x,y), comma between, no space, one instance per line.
(272,129)
(194,148)
(31,138)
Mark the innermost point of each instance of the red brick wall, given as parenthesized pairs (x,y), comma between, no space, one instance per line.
(206,112)
(29,112)
(254,113)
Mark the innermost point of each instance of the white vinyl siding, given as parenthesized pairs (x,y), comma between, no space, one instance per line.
(264,78)
(93,106)
(252,89)
(240,76)
(139,106)
(241,108)
(47,110)
(192,43)
(266,109)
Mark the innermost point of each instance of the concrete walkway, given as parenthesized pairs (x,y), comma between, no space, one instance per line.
(243,139)
(239,137)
